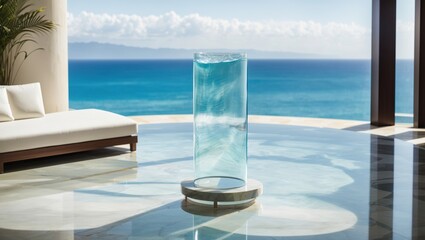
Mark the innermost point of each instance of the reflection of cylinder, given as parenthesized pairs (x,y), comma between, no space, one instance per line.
(220,124)
(212,228)
(223,224)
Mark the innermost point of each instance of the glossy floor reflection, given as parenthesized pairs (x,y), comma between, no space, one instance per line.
(318,184)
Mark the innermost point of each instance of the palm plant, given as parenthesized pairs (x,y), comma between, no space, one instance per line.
(19,24)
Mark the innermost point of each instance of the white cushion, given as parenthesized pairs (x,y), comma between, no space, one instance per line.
(64,128)
(5,111)
(25,100)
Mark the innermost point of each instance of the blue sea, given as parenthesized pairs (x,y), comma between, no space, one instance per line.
(305,88)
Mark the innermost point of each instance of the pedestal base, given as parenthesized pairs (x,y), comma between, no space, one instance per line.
(243,196)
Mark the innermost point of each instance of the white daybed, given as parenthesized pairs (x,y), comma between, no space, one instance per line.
(64,132)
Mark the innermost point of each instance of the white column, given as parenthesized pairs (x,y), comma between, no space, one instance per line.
(50,66)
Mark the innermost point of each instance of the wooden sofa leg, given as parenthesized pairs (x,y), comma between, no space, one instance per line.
(133,147)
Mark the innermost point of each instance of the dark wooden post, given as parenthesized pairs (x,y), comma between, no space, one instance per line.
(419,84)
(383,62)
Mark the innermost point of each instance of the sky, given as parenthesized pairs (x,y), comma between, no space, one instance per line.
(332,28)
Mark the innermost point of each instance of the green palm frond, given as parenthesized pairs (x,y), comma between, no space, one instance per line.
(19,24)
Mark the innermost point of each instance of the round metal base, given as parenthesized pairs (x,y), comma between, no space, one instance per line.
(219,182)
(242,196)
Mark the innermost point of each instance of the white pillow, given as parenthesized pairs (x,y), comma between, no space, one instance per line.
(5,111)
(25,100)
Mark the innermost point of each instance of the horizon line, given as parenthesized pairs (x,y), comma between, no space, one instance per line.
(253,58)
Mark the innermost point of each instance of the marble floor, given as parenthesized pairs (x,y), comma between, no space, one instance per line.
(323,179)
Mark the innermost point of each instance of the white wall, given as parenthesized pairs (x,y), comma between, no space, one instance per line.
(50,67)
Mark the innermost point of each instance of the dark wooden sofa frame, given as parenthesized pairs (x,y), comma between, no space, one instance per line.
(64,149)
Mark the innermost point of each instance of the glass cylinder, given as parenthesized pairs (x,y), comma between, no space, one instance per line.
(220,120)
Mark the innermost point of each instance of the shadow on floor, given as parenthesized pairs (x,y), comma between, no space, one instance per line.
(361,127)
(63,159)
(405,133)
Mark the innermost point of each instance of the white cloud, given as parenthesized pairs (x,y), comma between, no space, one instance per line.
(405,26)
(405,39)
(173,25)
(196,31)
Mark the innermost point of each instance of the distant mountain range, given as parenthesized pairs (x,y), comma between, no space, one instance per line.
(94,50)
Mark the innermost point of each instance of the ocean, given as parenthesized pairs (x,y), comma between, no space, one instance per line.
(304,88)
